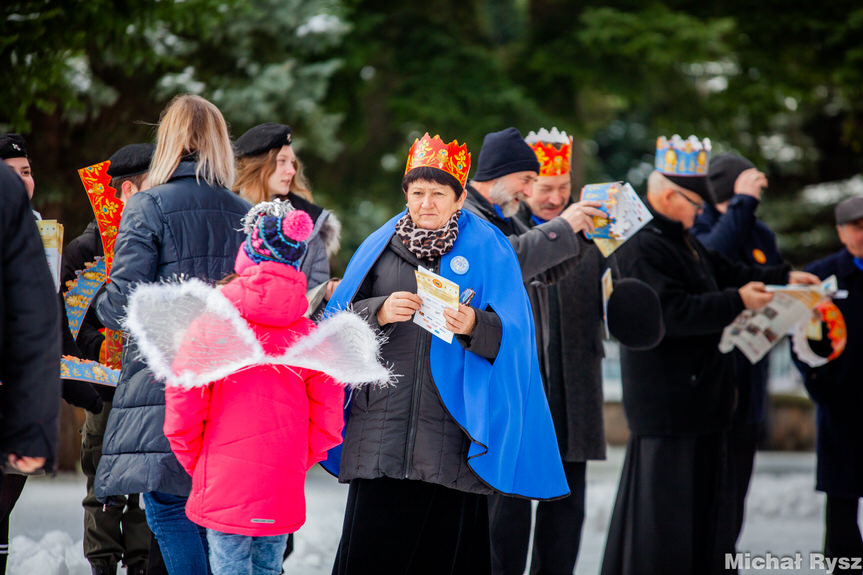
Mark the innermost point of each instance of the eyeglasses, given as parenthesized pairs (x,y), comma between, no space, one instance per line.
(697,205)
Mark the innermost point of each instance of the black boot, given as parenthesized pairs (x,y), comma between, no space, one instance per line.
(139,568)
(103,569)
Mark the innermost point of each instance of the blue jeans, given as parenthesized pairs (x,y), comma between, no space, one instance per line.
(183,543)
(246,555)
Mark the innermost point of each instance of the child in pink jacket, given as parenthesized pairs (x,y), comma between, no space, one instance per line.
(247,440)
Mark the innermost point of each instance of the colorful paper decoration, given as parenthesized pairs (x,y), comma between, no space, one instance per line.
(81,292)
(553,149)
(679,157)
(89,371)
(827,322)
(107,208)
(434,153)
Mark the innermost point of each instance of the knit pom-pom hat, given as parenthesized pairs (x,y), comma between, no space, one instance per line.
(275,232)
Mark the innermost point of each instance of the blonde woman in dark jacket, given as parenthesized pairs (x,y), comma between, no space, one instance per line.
(186,225)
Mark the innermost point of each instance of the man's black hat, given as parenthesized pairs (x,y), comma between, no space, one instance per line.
(12,146)
(635,314)
(504,153)
(849,210)
(697,184)
(263,138)
(131,160)
(722,174)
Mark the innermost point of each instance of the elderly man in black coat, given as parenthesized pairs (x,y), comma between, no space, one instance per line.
(679,396)
(836,389)
(573,374)
(506,172)
(29,350)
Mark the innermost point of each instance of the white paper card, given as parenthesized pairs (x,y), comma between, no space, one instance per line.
(437,293)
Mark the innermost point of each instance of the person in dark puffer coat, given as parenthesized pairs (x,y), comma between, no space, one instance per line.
(186,225)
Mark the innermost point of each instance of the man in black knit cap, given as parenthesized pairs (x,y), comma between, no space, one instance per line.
(506,171)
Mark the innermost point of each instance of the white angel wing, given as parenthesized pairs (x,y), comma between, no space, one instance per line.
(344,347)
(190,334)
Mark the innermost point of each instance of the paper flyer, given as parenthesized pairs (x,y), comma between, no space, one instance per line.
(626,214)
(52,238)
(755,332)
(607,288)
(437,293)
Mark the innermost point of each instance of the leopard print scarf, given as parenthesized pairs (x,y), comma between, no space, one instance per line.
(428,244)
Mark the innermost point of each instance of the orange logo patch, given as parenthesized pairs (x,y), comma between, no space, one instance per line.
(759,256)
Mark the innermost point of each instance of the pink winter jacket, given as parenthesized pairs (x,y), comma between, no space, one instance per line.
(248,440)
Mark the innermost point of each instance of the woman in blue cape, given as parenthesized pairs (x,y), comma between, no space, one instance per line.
(465,418)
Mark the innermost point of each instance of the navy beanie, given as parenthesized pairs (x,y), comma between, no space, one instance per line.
(503,153)
(722,174)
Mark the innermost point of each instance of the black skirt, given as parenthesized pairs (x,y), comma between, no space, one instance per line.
(665,515)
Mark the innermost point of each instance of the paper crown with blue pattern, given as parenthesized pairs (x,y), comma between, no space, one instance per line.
(276,232)
(679,157)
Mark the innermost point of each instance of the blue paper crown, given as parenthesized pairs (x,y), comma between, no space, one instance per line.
(679,157)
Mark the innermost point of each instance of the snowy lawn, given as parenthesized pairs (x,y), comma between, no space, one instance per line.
(784,516)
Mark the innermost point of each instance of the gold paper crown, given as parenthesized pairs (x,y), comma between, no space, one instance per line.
(553,150)
(434,153)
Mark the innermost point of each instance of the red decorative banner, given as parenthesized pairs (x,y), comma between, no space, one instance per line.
(107,207)
(108,210)
(113,348)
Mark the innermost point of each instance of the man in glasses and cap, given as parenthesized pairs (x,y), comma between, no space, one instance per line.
(678,397)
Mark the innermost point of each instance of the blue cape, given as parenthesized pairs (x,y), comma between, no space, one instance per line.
(501,406)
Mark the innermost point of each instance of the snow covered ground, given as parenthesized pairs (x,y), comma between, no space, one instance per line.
(784,516)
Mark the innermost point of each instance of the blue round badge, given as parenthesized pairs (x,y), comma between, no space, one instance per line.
(459,265)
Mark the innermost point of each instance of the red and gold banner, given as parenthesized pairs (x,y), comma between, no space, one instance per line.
(108,210)
(107,207)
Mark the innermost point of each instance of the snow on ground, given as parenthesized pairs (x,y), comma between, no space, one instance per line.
(784,516)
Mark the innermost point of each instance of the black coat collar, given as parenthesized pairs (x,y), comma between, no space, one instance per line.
(846,266)
(665,226)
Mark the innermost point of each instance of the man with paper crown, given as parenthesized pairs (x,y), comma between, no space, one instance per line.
(678,397)
(731,228)
(837,391)
(573,381)
(506,172)
(467,417)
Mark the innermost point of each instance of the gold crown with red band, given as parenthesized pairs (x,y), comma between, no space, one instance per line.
(434,153)
(553,150)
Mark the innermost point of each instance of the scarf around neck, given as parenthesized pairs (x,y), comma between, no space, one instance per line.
(428,244)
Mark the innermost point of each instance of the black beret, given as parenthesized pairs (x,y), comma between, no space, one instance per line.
(849,210)
(722,174)
(131,160)
(262,138)
(635,314)
(12,146)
